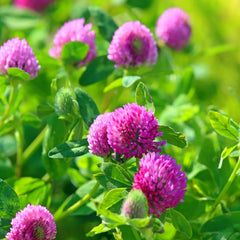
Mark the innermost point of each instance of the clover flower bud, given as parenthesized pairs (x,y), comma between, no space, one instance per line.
(64,102)
(135,205)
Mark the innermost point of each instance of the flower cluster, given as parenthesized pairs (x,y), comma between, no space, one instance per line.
(173,28)
(32,223)
(75,30)
(16,53)
(129,131)
(162,182)
(34,5)
(133,45)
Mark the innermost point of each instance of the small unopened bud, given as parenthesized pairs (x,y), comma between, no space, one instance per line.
(135,205)
(64,102)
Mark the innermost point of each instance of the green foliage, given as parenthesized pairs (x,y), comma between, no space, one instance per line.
(74,52)
(9,206)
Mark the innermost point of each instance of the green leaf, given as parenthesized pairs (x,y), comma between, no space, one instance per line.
(114,176)
(140,3)
(104,22)
(31,120)
(70,149)
(143,97)
(9,201)
(7,170)
(5,225)
(87,208)
(45,60)
(36,190)
(115,84)
(109,218)
(139,222)
(44,110)
(18,74)
(175,138)
(181,223)
(98,229)
(224,223)
(97,70)
(112,197)
(223,125)
(129,80)
(54,137)
(185,82)
(74,52)
(87,107)
(225,153)
(18,19)
(220,49)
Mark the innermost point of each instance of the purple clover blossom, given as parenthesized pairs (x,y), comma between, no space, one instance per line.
(75,30)
(162,182)
(16,53)
(132,130)
(97,136)
(133,45)
(173,28)
(35,5)
(32,223)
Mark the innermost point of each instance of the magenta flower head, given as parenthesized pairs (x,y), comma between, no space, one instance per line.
(32,223)
(132,130)
(133,45)
(173,28)
(162,182)
(75,30)
(35,5)
(16,53)
(97,136)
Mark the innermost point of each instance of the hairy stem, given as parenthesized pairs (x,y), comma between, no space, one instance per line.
(34,145)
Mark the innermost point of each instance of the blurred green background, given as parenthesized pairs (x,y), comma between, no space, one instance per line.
(213,53)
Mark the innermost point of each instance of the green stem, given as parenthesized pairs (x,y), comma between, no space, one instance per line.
(19,138)
(77,205)
(11,101)
(34,145)
(228,184)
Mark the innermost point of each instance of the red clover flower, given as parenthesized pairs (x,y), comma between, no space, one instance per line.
(132,130)
(75,30)
(35,5)
(162,182)
(173,28)
(16,53)
(97,136)
(32,223)
(133,45)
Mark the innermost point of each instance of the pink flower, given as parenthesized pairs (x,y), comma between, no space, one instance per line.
(173,28)
(133,45)
(97,136)
(162,182)
(32,223)
(74,31)
(16,53)
(132,130)
(35,5)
